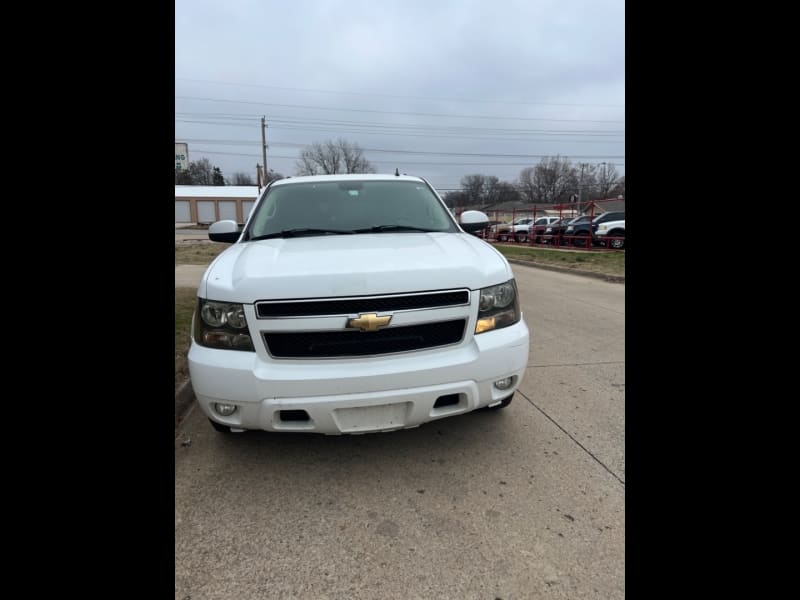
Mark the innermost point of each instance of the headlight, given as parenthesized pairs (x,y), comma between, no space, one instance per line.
(602,229)
(498,307)
(221,325)
(548,230)
(570,228)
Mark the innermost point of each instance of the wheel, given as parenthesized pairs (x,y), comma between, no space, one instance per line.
(581,241)
(618,244)
(219,427)
(522,238)
(503,403)
(502,237)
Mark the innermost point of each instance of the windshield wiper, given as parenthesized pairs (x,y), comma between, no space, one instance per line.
(384,228)
(299,232)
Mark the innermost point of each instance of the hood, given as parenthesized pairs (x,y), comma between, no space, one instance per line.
(352,265)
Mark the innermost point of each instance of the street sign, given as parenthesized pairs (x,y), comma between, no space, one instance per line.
(181,156)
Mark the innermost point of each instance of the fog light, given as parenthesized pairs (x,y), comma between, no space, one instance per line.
(504,384)
(225,410)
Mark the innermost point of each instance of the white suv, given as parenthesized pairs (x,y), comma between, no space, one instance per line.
(612,233)
(354,303)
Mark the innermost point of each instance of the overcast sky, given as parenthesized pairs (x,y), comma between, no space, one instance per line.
(437,88)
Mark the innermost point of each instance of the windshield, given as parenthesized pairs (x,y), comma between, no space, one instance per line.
(610,216)
(332,207)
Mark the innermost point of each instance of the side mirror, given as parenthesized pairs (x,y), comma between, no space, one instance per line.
(224,231)
(474,220)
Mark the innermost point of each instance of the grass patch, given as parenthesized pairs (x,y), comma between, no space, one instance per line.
(185,301)
(193,252)
(598,261)
(188,253)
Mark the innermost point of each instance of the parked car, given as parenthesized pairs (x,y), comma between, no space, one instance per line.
(505,233)
(523,233)
(555,233)
(609,230)
(582,231)
(538,229)
(351,304)
(489,230)
(520,229)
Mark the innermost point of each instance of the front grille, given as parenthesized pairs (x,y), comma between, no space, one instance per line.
(349,306)
(326,344)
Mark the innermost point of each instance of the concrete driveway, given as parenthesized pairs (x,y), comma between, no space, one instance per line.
(526,502)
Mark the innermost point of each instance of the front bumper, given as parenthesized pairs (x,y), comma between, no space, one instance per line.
(360,395)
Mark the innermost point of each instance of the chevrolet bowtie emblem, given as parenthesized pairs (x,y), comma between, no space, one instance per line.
(369,322)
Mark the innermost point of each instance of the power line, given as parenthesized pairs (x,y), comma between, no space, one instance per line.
(432,134)
(448,135)
(184,117)
(390,112)
(442,164)
(391,151)
(275,87)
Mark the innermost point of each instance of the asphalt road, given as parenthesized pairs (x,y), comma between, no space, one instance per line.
(526,502)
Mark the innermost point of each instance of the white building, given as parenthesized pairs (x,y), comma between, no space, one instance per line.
(209,203)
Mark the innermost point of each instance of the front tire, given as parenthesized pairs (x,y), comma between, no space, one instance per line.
(617,244)
(581,240)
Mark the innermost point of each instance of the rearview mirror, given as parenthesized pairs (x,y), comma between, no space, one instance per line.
(474,220)
(224,231)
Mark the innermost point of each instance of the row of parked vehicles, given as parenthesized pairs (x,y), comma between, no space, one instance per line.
(607,229)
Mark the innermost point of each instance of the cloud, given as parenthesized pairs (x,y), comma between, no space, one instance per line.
(447,56)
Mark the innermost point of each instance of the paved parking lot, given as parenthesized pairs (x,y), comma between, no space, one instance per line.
(526,502)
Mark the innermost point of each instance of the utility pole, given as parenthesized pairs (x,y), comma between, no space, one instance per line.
(264,146)
(580,183)
(605,183)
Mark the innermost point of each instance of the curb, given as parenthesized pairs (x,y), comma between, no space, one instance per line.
(184,398)
(603,276)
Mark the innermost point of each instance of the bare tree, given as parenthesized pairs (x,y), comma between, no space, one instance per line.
(332,157)
(456,199)
(527,187)
(482,190)
(554,180)
(201,172)
(183,177)
(217,177)
(273,175)
(587,180)
(354,161)
(619,188)
(491,190)
(240,178)
(474,188)
(502,192)
(606,179)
